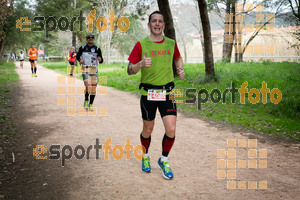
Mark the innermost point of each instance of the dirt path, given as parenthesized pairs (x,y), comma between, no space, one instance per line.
(193,158)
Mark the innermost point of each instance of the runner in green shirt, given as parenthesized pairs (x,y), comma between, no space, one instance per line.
(154,56)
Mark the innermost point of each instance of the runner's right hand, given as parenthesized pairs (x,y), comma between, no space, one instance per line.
(146,62)
(81,62)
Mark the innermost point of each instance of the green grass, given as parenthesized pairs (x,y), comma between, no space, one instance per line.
(8,79)
(280,120)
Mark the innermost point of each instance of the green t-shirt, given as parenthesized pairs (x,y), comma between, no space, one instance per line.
(161,71)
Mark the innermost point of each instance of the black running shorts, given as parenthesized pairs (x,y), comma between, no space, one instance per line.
(85,76)
(32,61)
(148,108)
(89,71)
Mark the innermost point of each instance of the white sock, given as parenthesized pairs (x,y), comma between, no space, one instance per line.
(163,158)
(146,155)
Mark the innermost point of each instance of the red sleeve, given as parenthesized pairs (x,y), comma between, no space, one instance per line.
(135,55)
(176,53)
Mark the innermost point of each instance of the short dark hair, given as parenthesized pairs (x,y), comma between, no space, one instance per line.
(155,12)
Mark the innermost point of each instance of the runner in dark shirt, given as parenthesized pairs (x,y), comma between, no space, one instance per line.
(89,55)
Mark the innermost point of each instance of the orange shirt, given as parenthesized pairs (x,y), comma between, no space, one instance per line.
(33,54)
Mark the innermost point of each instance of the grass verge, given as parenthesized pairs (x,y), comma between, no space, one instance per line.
(8,80)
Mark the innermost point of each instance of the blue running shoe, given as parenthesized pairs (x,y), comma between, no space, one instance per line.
(146,164)
(166,170)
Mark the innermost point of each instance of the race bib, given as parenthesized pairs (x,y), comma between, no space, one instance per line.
(89,58)
(157,95)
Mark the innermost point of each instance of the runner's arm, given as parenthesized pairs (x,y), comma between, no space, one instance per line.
(136,61)
(99,56)
(179,69)
(79,53)
(134,68)
(179,63)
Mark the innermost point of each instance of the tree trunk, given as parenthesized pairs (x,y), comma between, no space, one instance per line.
(238,48)
(202,46)
(238,58)
(73,32)
(1,48)
(209,57)
(225,56)
(74,44)
(163,6)
(80,36)
(200,32)
(228,46)
(73,39)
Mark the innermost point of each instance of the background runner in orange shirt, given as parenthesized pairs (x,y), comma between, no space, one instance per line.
(33,55)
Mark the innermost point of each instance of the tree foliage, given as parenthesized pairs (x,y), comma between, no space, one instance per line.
(14,39)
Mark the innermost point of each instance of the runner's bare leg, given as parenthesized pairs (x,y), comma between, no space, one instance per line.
(170,125)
